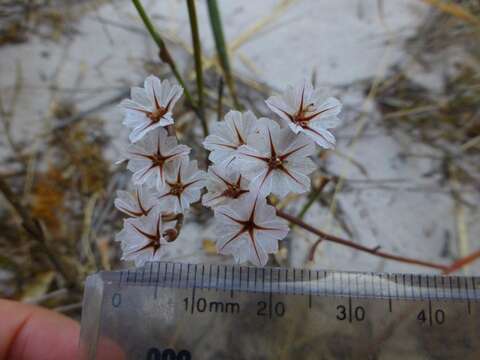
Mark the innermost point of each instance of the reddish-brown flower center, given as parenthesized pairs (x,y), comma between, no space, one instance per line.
(176,188)
(233,191)
(157,114)
(158,159)
(275,162)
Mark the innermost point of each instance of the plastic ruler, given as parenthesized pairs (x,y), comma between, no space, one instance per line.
(178,311)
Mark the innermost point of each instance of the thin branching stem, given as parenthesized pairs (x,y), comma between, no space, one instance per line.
(222,51)
(197,53)
(374,251)
(163,50)
(462,262)
(34,228)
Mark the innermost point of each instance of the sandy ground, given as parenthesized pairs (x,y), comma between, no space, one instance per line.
(342,41)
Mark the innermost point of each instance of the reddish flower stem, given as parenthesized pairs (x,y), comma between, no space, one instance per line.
(460,263)
(373,251)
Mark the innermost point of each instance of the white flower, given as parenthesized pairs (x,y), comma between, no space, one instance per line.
(150,107)
(276,160)
(151,157)
(307,110)
(249,230)
(228,135)
(144,238)
(182,186)
(136,204)
(223,185)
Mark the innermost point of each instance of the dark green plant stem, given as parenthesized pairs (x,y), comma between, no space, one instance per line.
(197,53)
(220,100)
(222,53)
(33,227)
(163,51)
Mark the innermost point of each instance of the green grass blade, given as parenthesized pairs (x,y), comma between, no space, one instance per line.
(197,52)
(222,52)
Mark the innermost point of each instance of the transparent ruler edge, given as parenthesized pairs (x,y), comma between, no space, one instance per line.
(290,281)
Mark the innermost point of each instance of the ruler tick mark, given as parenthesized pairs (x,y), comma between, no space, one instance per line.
(443,286)
(240,280)
(150,273)
(278,280)
(333,283)
(429,293)
(349,309)
(459,287)
(164,282)
(263,279)
(419,277)
(309,289)
(412,286)
(388,287)
(231,282)
(180,276)
(301,280)
(429,312)
(224,278)
(451,286)
(474,288)
(294,284)
(466,289)
(210,277)
(172,276)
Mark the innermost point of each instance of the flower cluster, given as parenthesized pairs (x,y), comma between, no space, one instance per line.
(166,180)
(251,159)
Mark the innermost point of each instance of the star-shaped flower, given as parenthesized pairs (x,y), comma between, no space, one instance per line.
(151,157)
(136,204)
(228,135)
(150,107)
(276,160)
(182,186)
(223,185)
(249,229)
(307,110)
(144,238)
